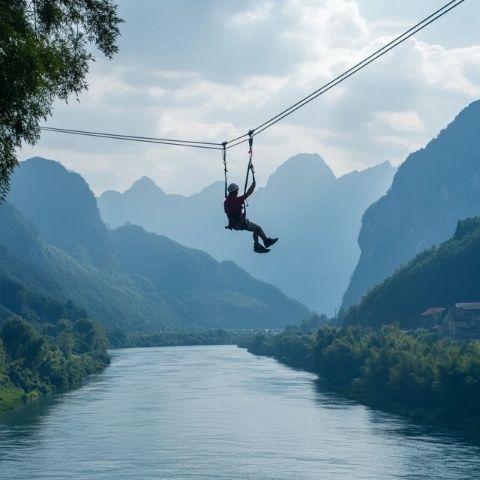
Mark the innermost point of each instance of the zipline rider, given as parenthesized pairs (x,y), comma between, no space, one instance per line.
(234,206)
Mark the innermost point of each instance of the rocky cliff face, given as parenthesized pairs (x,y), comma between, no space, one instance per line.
(435,188)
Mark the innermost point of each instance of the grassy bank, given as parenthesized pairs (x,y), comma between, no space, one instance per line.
(10,398)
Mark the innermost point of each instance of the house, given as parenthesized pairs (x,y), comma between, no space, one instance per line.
(463,320)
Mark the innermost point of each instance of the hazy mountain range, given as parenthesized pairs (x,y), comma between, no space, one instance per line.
(433,189)
(53,243)
(315,214)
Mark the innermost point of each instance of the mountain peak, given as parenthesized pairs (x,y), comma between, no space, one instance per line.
(62,206)
(145,185)
(306,169)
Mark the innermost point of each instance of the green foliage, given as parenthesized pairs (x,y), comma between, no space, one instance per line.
(58,357)
(292,347)
(36,308)
(3,363)
(420,376)
(44,55)
(10,397)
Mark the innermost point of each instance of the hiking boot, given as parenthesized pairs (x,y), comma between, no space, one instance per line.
(260,249)
(270,241)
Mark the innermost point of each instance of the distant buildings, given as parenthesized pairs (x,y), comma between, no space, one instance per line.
(461,321)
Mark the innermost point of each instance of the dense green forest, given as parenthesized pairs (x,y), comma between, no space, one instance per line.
(423,377)
(438,277)
(45,346)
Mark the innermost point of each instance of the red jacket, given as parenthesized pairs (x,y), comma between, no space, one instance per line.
(233,206)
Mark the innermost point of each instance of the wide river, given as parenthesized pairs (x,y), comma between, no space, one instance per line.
(218,413)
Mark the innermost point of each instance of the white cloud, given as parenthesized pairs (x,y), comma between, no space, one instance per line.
(252,16)
(405,122)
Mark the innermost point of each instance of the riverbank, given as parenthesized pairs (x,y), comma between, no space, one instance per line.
(218,336)
(427,379)
(10,398)
(38,361)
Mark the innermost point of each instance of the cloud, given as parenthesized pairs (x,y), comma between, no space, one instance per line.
(406,122)
(253,16)
(213,69)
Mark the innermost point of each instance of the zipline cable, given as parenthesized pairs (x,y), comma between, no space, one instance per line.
(356,68)
(133,138)
(246,137)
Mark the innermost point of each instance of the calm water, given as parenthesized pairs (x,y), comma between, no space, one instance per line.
(218,413)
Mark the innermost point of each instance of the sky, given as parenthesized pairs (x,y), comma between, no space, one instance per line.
(212,69)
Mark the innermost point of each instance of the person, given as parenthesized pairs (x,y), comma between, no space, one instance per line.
(234,208)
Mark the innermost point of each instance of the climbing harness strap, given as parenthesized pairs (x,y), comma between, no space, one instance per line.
(250,164)
(224,145)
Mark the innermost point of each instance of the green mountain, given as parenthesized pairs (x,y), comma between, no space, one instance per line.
(438,277)
(433,189)
(127,278)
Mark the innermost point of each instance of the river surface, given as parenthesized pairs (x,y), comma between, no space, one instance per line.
(218,413)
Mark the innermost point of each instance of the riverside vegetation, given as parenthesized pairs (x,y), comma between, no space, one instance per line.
(57,348)
(421,376)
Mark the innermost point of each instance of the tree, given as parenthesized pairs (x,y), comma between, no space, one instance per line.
(44,56)
(18,338)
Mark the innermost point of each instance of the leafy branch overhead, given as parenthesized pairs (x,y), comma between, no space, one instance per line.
(45,52)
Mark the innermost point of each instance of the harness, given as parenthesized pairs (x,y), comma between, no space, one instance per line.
(240,223)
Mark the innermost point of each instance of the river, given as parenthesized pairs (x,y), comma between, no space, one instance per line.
(218,413)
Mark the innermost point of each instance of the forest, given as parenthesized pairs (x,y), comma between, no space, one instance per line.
(45,346)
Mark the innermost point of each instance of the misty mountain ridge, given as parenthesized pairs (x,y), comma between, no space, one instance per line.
(315,214)
(65,212)
(50,252)
(433,189)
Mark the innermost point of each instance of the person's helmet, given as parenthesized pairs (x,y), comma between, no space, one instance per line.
(233,187)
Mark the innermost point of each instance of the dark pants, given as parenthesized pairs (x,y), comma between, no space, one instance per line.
(257,231)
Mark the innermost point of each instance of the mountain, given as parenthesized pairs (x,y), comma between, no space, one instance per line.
(316,215)
(438,277)
(211,293)
(433,189)
(65,212)
(126,278)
